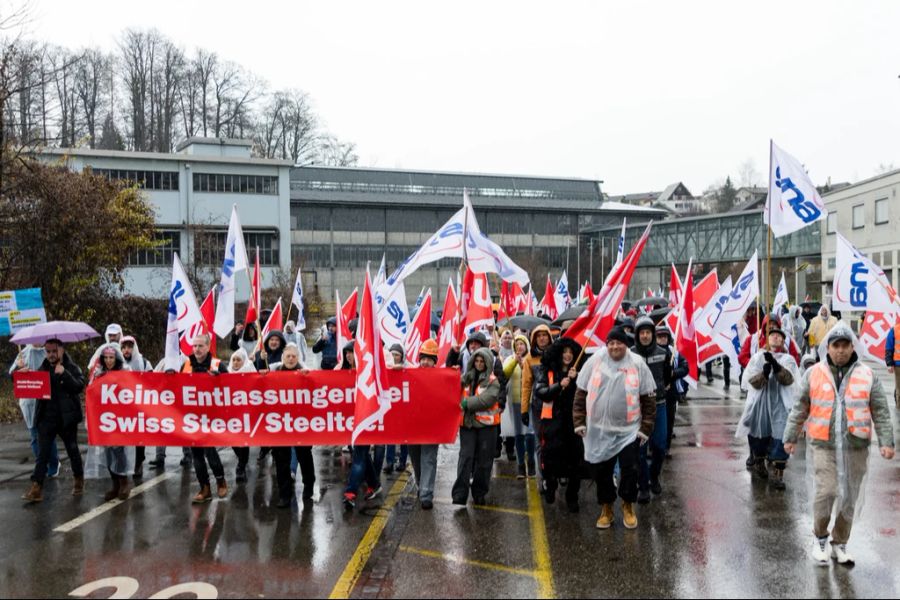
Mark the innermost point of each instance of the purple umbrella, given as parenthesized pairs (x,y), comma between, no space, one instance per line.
(64,331)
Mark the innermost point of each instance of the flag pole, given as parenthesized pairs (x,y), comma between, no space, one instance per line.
(681,307)
(768,290)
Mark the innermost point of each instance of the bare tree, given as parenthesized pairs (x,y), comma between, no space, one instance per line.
(747,174)
(167,75)
(61,60)
(92,82)
(136,65)
(335,153)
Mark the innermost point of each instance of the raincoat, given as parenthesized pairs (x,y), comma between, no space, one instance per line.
(766,410)
(32,357)
(292,335)
(101,461)
(615,401)
(516,380)
(820,326)
(137,363)
(247,367)
(111,329)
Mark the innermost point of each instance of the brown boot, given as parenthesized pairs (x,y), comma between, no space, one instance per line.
(35,493)
(629,519)
(113,493)
(204,496)
(221,488)
(124,488)
(78,486)
(606,517)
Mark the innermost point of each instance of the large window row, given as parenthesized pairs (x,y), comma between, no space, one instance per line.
(236,184)
(209,247)
(149,180)
(160,256)
(393,188)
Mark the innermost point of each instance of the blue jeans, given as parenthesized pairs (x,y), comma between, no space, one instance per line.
(53,465)
(378,460)
(525,448)
(392,455)
(362,469)
(769,447)
(657,444)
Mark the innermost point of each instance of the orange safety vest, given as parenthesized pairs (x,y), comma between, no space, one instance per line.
(189,368)
(632,392)
(856,402)
(547,408)
(897,343)
(487,417)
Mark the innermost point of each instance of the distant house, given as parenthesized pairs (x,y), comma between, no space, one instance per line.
(750,198)
(675,199)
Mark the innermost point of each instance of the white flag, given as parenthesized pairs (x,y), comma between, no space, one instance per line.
(620,252)
(380,277)
(561,294)
(297,300)
(393,320)
(781,296)
(730,310)
(483,255)
(709,314)
(793,201)
(859,284)
(184,315)
(235,262)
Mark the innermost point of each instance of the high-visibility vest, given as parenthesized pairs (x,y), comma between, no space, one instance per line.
(488,417)
(897,343)
(632,392)
(189,368)
(822,397)
(547,408)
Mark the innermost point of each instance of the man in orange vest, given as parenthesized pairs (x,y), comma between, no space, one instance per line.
(479,428)
(840,402)
(892,358)
(201,361)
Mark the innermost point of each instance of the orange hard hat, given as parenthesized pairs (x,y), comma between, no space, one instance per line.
(429,348)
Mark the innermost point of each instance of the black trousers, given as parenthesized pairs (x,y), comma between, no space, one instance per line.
(282,457)
(243,456)
(671,406)
(47,432)
(476,460)
(201,457)
(628,475)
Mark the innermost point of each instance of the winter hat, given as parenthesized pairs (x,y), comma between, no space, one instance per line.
(619,335)
(840,332)
(396,348)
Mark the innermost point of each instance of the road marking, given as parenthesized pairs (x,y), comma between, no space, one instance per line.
(543,571)
(108,506)
(465,561)
(502,509)
(357,563)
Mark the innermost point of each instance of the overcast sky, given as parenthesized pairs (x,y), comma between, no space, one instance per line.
(638,94)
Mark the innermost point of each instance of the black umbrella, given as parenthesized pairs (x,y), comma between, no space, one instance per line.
(527,322)
(570,314)
(659,314)
(652,302)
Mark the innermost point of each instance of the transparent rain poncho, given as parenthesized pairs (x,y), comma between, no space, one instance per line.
(613,402)
(766,410)
(101,460)
(33,357)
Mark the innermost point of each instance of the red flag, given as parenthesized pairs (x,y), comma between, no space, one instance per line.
(705,290)
(592,326)
(253,305)
(480,314)
(588,292)
(343,317)
(449,325)
(548,303)
(208,310)
(686,338)
(509,302)
(465,297)
(419,331)
(371,372)
(674,288)
(519,298)
(275,322)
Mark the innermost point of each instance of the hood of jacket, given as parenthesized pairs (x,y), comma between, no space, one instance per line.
(552,359)
(120,358)
(471,372)
(137,360)
(644,323)
(275,333)
(247,366)
(535,351)
(112,329)
(519,337)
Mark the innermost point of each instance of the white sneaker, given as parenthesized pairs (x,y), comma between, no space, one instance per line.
(839,552)
(820,552)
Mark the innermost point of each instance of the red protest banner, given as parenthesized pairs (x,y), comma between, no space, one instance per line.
(31,384)
(277,409)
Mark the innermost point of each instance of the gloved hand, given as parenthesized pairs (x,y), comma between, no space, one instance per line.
(767,370)
(464,404)
(776,367)
(769,358)
(526,419)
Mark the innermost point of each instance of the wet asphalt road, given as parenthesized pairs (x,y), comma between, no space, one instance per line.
(715,531)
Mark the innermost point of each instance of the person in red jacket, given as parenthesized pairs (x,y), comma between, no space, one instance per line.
(753,343)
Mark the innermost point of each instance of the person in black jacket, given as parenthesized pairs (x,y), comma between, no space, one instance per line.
(270,352)
(327,345)
(678,387)
(58,416)
(562,450)
(235,338)
(659,360)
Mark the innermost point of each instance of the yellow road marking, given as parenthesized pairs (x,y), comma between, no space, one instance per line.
(502,509)
(543,571)
(466,561)
(354,568)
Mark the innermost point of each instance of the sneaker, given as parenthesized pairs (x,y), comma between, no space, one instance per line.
(655,487)
(820,552)
(840,554)
(427,504)
(643,497)
(53,473)
(372,493)
(629,519)
(523,473)
(349,500)
(606,517)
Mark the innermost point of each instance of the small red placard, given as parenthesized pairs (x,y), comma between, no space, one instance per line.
(31,384)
